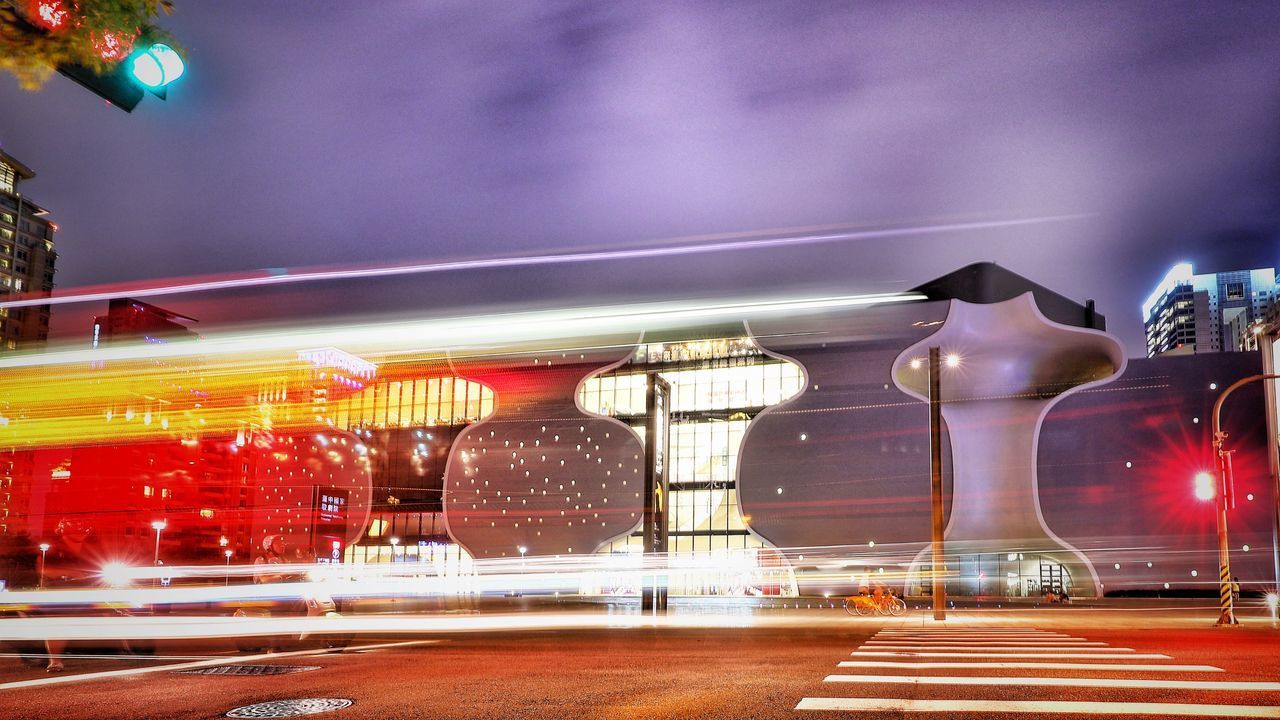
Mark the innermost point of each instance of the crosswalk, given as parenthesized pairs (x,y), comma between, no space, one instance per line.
(901,669)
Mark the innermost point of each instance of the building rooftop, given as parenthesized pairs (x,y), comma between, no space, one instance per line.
(987,282)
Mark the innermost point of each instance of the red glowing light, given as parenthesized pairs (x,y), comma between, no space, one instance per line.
(113,46)
(1206,486)
(51,14)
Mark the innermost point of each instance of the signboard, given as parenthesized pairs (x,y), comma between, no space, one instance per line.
(657,444)
(329,524)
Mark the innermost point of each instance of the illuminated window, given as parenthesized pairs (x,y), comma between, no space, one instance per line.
(148,491)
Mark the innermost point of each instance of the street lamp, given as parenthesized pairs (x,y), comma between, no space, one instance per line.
(394,542)
(938,553)
(1204,488)
(226,576)
(44,549)
(1223,456)
(158,525)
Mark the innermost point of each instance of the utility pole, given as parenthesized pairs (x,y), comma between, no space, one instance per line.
(1226,497)
(935,471)
(657,442)
(1267,337)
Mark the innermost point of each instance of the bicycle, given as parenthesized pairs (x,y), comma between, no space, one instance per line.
(864,605)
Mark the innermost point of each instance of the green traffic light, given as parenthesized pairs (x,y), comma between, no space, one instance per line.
(157,66)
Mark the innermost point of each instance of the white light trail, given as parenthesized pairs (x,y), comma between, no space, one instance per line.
(511,330)
(283,276)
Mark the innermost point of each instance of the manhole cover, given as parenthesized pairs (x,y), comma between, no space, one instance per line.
(290,708)
(249,670)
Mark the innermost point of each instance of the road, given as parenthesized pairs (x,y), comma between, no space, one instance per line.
(793,665)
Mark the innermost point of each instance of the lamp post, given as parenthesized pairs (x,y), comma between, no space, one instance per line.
(1266,336)
(44,549)
(158,526)
(1226,600)
(226,576)
(394,542)
(938,562)
(522,550)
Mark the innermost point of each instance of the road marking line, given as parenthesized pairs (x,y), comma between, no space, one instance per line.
(1126,667)
(940,631)
(1039,707)
(1040,649)
(1060,682)
(972,633)
(1029,643)
(1048,636)
(981,638)
(1023,655)
(230,660)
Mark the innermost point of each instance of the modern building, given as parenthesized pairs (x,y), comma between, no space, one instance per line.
(1190,313)
(132,320)
(788,451)
(27,258)
(27,264)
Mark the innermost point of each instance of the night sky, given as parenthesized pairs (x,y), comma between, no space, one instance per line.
(369,132)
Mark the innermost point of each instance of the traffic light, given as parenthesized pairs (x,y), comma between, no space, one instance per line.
(157,66)
(152,70)
(115,88)
(134,62)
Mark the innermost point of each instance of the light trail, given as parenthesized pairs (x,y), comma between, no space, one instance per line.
(525,333)
(282,276)
(179,627)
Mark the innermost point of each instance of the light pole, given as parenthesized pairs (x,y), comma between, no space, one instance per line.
(44,549)
(226,576)
(1226,599)
(394,542)
(158,526)
(1267,335)
(938,563)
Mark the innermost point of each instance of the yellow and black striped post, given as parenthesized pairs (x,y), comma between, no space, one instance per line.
(1226,598)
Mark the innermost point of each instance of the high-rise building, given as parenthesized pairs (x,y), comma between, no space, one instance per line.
(128,319)
(27,258)
(1189,313)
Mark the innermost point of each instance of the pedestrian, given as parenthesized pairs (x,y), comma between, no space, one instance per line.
(1235,590)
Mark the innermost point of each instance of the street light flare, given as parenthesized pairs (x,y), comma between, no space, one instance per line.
(1204,486)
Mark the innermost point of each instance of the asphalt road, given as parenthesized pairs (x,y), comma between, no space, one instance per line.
(762,670)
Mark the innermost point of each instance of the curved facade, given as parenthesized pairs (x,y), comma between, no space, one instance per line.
(541,476)
(1005,367)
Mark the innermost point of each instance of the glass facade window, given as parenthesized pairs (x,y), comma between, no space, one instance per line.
(717,387)
(414,402)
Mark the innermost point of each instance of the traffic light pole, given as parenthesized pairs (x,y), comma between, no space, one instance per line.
(1226,598)
(938,564)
